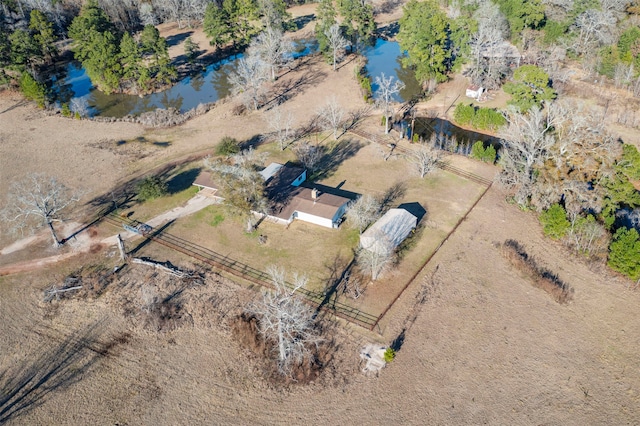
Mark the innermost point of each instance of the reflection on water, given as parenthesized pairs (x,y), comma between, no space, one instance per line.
(385,57)
(425,127)
(209,86)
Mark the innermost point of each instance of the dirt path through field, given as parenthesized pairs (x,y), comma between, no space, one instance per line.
(82,242)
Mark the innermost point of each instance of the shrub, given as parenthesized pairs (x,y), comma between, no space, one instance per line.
(629,164)
(554,222)
(227,146)
(151,187)
(463,114)
(33,90)
(389,355)
(624,253)
(66,111)
(588,237)
(479,152)
(364,81)
(488,119)
(541,277)
(478,117)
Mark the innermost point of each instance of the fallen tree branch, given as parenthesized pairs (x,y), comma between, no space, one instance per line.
(53,292)
(169,269)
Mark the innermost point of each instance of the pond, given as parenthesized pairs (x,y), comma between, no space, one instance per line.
(213,83)
(385,57)
(451,137)
(209,86)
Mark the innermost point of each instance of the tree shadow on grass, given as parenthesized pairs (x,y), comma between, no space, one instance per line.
(334,156)
(253,142)
(392,194)
(301,21)
(337,271)
(156,232)
(182,180)
(175,39)
(54,370)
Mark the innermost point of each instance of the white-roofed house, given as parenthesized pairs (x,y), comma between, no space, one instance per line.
(389,231)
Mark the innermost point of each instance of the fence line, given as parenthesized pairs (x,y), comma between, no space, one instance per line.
(246,272)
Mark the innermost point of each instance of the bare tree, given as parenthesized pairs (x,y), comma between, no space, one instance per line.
(286,321)
(38,200)
(362,212)
(336,43)
(489,51)
(181,11)
(331,116)
(388,88)
(274,48)
(527,141)
(561,153)
(425,159)
(243,185)
(147,14)
(587,236)
(273,16)
(376,262)
(309,155)
(248,79)
(281,122)
(593,28)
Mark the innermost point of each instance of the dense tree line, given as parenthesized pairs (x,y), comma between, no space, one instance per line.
(495,37)
(355,30)
(114,60)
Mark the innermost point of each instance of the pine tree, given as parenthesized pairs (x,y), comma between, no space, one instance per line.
(103,64)
(554,222)
(326,18)
(191,50)
(624,253)
(358,22)
(91,20)
(130,58)
(24,50)
(43,34)
(33,90)
(424,35)
(216,25)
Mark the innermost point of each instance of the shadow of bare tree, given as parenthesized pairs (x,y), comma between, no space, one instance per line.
(286,88)
(393,193)
(52,370)
(334,155)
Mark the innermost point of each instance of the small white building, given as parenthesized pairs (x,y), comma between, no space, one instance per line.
(474,92)
(389,231)
(314,206)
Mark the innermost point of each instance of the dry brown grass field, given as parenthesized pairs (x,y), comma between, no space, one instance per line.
(480,343)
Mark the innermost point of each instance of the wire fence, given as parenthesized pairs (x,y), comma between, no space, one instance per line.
(242,270)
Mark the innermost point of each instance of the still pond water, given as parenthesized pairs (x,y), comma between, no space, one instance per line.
(213,83)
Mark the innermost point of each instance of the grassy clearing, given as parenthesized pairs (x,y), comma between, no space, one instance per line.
(321,253)
(302,248)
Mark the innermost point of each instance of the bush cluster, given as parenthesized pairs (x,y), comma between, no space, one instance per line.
(151,187)
(482,153)
(540,276)
(478,117)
